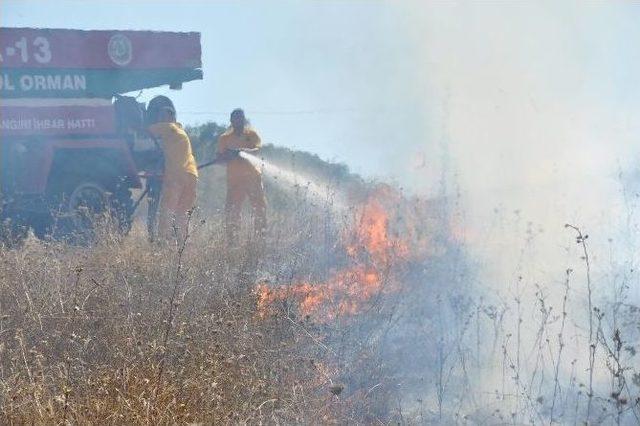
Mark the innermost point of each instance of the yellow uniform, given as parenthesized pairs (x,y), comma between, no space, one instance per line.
(178,156)
(179,178)
(244,180)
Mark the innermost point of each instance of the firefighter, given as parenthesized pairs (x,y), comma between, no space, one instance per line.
(244,179)
(180,174)
(156,165)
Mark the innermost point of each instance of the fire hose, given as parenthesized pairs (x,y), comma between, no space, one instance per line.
(158,176)
(146,175)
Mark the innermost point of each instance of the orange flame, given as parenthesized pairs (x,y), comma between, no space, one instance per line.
(349,291)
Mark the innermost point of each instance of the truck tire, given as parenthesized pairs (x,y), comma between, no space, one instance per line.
(86,205)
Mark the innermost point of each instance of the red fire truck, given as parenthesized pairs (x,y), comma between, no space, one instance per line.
(71,146)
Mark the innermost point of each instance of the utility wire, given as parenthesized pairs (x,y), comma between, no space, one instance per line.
(293,112)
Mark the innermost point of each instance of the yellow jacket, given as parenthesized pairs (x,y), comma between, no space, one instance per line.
(238,167)
(178,155)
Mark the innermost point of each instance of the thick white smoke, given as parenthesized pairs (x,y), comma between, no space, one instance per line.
(529,110)
(529,122)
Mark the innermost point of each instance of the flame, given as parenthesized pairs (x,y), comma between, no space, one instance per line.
(372,252)
(372,236)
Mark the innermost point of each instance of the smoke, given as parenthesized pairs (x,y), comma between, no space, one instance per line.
(528,124)
(522,94)
(527,114)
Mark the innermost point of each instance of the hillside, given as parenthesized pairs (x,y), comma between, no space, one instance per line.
(287,176)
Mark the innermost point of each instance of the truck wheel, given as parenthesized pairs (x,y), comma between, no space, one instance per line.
(88,205)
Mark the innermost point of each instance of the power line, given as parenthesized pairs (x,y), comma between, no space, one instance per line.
(291,112)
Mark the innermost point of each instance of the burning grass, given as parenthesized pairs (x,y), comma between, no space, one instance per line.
(128,333)
(364,316)
(374,259)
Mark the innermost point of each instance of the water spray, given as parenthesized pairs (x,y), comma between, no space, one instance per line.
(288,178)
(285,178)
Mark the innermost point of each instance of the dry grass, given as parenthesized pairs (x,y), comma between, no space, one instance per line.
(125,332)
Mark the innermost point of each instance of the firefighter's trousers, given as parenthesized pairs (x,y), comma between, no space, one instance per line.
(177,200)
(240,188)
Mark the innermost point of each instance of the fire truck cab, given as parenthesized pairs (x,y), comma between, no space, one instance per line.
(71,146)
